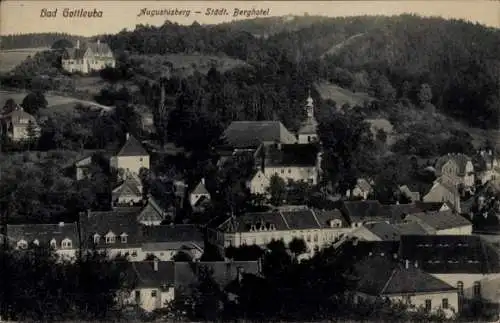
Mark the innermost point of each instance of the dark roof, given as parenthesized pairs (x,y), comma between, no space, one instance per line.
(132,147)
(99,49)
(300,219)
(383,230)
(429,206)
(143,275)
(223,272)
(460,159)
(153,212)
(440,220)
(244,134)
(387,249)
(304,155)
(325,216)
(381,277)
(451,253)
(410,228)
(118,221)
(44,233)
(173,233)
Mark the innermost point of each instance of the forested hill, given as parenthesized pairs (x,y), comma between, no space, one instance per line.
(34,40)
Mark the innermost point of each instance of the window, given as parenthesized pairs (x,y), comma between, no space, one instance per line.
(289,171)
(460,287)
(110,238)
(124,238)
(153,293)
(36,242)
(407,300)
(445,303)
(22,244)
(477,289)
(428,305)
(97,238)
(134,254)
(53,243)
(137,294)
(140,159)
(282,171)
(66,243)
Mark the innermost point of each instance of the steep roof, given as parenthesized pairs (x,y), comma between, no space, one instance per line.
(363,185)
(129,187)
(200,188)
(381,277)
(460,159)
(142,274)
(173,233)
(451,253)
(152,212)
(383,230)
(304,155)
(132,147)
(99,49)
(440,220)
(44,233)
(244,134)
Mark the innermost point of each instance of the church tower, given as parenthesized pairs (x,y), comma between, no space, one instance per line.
(307,132)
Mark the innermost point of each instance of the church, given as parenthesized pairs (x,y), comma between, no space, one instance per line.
(308,130)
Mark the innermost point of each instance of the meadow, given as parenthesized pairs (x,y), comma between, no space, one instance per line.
(10,58)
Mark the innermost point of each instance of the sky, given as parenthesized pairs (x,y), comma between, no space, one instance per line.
(23,16)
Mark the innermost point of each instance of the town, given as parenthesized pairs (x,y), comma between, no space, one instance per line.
(208,192)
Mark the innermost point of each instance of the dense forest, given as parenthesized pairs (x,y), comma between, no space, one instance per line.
(34,40)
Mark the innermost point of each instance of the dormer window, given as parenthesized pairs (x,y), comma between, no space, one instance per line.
(262,227)
(66,243)
(272,226)
(97,238)
(36,242)
(253,228)
(123,237)
(110,238)
(53,244)
(22,244)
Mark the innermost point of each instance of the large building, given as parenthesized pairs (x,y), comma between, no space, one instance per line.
(131,157)
(88,57)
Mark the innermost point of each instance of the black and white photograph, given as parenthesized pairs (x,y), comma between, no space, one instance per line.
(249,161)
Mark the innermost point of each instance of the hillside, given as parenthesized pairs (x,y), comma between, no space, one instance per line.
(35,40)
(11,58)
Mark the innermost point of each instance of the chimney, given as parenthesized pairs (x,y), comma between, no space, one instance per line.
(407,264)
(78,44)
(127,135)
(416,264)
(155,264)
(203,181)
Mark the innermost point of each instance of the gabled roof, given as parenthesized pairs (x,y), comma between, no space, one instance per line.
(381,277)
(17,115)
(363,185)
(384,231)
(132,147)
(410,228)
(152,212)
(173,233)
(129,187)
(244,134)
(325,216)
(460,159)
(44,233)
(200,188)
(141,274)
(451,253)
(99,49)
(303,155)
(440,220)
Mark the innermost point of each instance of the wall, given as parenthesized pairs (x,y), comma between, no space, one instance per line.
(127,199)
(259,184)
(149,303)
(307,138)
(193,198)
(294,173)
(490,284)
(463,230)
(436,299)
(132,163)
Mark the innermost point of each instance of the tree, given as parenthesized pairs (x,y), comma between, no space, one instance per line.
(32,134)
(182,256)
(277,190)
(33,102)
(62,44)
(297,246)
(208,297)
(9,106)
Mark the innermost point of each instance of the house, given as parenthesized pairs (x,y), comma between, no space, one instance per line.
(443,191)
(258,182)
(485,166)
(131,157)
(82,166)
(442,223)
(456,169)
(379,231)
(153,284)
(404,283)
(154,213)
(87,58)
(165,241)
(251,134)
(316,228)
(61,237)
(199,193)
(295,162)
(466,262)
(116,232)
(308,129)
(19,125)
(362,190)
(129,192)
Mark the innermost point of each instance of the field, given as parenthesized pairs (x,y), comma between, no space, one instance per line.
(186,64)
(13,57)
(340,95)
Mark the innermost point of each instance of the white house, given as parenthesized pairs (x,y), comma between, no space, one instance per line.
(19,125)
(444,191)
(308,129)
(466,262)
(132,156)
(258,183)
(129,192)
(405,283)
(442,223)
(362,189)
(87,58)
(153,284)
(199,192)
(61,237)
(317,228)
(456,169)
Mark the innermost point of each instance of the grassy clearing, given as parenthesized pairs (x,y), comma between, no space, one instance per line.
(12,57)
(187,64)
(340,95)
